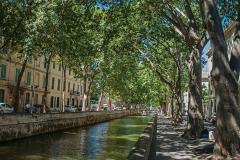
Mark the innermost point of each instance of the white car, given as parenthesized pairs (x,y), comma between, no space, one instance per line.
(69,108)
(5,108)
(94,105)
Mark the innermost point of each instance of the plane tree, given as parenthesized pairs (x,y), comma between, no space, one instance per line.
(227,137)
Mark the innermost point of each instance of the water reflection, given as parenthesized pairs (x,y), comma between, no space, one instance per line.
(109,140)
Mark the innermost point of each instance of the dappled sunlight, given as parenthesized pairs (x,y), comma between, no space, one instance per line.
(170,144)
(235,125)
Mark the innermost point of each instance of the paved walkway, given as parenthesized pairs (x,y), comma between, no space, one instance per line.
(171,146)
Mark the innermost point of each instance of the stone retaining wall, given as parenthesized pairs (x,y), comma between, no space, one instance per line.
(141,150)
(25,125)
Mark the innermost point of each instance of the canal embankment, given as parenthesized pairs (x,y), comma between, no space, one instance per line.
(26,125)
(144,147)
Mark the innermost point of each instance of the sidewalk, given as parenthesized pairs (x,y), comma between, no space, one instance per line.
(171,146)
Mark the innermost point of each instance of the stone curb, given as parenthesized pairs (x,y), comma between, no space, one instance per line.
(26,126)
(141,150)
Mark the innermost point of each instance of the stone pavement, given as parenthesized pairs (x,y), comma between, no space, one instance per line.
(169,145)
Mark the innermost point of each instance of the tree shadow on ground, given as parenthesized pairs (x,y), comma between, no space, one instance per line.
(170,144)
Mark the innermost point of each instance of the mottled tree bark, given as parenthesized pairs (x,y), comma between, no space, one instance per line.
(172,105)
(179,89)
(15,102)
(178,116)
(84,99)
(195,123)
(88,89)
(64,69)
(100,101)
(47,61)
(226,87)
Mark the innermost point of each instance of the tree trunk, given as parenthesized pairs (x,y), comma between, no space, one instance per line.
(110,104)
(195,123)
(46,83)
(227,138)
(15,102)
(100,101)
(178,94)
(178,116)
(209,108)
(88,89)
(84,101)
(172,105)
(64,87)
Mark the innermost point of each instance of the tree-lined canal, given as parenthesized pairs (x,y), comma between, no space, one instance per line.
(105,141)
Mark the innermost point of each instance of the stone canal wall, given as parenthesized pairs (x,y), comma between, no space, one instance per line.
(20,126)
(144,148)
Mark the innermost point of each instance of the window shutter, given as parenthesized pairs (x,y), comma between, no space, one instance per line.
(3,71)
(17,74)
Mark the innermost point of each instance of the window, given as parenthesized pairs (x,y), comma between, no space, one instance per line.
(30,59)
(60,67)
(73,87)
(36,99)
(64,85)
(37,76)
(78,88)
(58,87)
(72,101)
(68,101)
(54,65)
(45,64)
(38,62)
(2,93)
(58,102)
(53,79)
(44,81)
(27,98)
(81,90)
(52,102)
(3,71)
(17,73)
(43,99)
(69,71)
(68,86)
(29,77)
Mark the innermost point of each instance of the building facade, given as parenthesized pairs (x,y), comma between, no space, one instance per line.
(33,83)
(229,34)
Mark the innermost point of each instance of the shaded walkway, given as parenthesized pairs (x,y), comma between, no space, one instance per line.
(170,146)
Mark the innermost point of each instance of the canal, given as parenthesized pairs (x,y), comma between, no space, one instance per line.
(105,141)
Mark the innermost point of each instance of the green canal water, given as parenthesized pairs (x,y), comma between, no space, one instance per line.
(105,141)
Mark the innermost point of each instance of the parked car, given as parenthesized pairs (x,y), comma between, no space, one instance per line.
(117,109)
(79,108)
(69,108)
(5,108)
(54,110)
(105,107)
(94,105)
(36,108)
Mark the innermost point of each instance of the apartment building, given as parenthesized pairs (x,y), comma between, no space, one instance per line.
(229,36)
(33,83)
